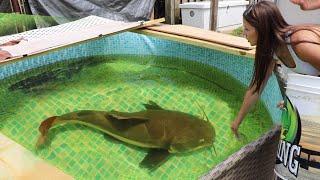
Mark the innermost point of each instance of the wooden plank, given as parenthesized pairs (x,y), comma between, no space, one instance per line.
(169,11)
(213,15)
(18,163)
(152,22)
(177,14)
(152,15)
(200,43)
(310,137)
(197,33)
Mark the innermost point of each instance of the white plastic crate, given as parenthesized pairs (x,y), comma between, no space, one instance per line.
(197,14)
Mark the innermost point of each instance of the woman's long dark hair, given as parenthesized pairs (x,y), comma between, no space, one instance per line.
(272,31)
(266,18)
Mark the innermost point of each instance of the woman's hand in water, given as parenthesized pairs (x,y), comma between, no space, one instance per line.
(281,105)
(234,127)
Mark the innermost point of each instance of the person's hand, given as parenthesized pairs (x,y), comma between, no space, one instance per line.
(13,42)
(281,105)
(234,128)
(4,55)
(307,4)
(302,3)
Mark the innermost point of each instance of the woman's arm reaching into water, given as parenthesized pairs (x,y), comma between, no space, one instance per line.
(250,98)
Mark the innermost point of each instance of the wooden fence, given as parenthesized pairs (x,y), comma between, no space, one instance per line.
(18,6)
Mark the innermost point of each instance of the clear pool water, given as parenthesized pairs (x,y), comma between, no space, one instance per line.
(124,83)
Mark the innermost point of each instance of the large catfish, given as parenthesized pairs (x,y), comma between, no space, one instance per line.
(163,131)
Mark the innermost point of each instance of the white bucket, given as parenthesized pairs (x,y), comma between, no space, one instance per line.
(304,92)
(303,80)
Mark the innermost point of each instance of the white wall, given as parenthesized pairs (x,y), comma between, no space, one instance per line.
(294,15)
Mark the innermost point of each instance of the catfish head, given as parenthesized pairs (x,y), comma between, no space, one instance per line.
(198,134)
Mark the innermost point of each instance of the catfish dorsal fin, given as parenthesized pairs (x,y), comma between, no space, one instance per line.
(123,123)
(152,106)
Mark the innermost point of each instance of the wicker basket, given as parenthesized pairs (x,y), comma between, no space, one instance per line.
(254,161)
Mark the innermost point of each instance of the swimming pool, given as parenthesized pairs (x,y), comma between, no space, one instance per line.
(122,72)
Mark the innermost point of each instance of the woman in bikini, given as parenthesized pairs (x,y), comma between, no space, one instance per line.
(297,47)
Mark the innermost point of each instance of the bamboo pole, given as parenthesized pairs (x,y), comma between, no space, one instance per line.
(169,11)
(177,14)
(213,15)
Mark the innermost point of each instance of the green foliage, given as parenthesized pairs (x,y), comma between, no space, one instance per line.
(11,23)
(238,32)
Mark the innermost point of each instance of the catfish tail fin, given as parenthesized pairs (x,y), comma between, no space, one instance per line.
(44,129)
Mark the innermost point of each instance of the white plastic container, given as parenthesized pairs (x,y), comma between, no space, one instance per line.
(303,80)
(230,13)
(197,14)
(304,92)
